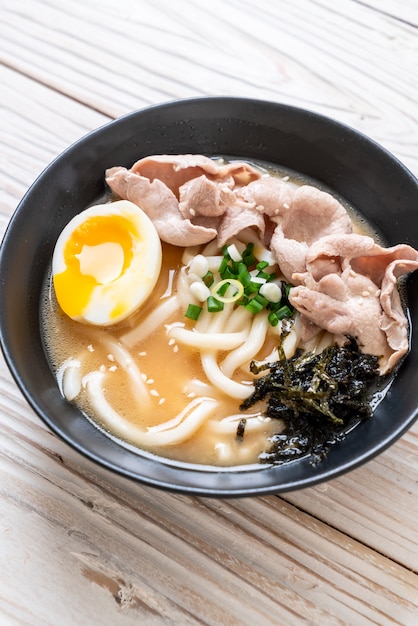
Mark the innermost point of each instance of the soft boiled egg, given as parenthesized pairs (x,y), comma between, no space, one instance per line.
(106,263)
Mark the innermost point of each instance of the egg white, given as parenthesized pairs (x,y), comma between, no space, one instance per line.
(106,281)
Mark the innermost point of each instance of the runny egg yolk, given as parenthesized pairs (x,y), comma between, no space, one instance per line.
(106,263)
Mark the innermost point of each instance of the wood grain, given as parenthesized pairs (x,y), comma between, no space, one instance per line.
(403,10)
(80,545)
(34,130)
(149,553)
(348,60)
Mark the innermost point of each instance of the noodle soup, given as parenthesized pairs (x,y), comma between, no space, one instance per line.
(170,379)
(171,374)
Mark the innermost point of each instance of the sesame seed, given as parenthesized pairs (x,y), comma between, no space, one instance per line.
(154,393)
(150,381)
(142,353)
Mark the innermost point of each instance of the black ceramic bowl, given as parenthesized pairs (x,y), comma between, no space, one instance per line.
(380,187)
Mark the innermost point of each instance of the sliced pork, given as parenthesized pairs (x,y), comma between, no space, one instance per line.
(238,218)
(208,198)
(175,170)
(161,206)
(311,215)
(183,194)
(350,288)
(270,195)
(343,282)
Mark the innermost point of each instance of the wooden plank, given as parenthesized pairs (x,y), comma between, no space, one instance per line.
(378,502)
(162,50)
(126,551)
(403,10)
(33,133)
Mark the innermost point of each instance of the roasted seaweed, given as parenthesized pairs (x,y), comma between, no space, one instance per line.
(317,396)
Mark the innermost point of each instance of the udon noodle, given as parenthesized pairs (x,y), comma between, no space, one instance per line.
(161,381)
(171,385)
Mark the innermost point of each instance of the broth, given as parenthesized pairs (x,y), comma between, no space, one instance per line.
(169,371)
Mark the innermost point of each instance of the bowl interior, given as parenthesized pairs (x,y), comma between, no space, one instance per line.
(380,187)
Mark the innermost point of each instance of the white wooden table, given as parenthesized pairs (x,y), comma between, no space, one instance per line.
(81,546)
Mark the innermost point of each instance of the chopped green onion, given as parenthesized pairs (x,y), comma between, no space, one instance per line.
(220,290)
(254,306)
(262,265)
(245,282)
(262,300)
(227,273)
(214,305)
(223,266)
(235,267)
(198,265)
(244,278)
(283,312)
(275,306)
(272,292)
(248,250)
(259,281)
(251,288)
(193,311)
(243,300)
(264,275)
(273,319)
(248,256)
(242,281)
(234,253)
(208,279)
(249,260)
